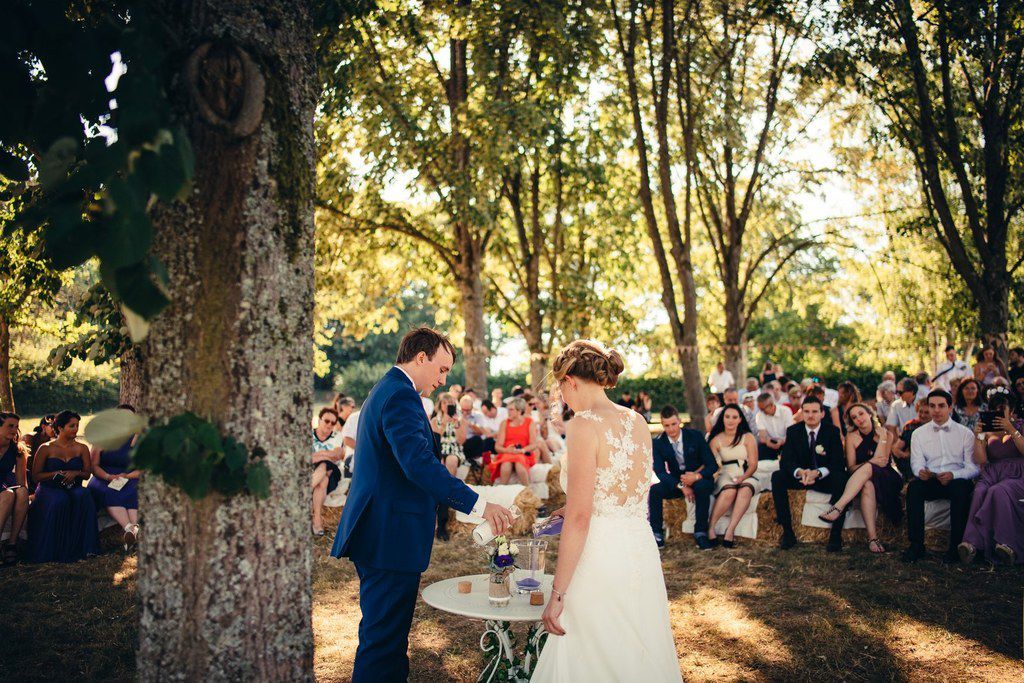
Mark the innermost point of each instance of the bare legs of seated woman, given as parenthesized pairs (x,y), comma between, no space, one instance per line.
(321,477)
(736,500)
(522,473)
(859,485)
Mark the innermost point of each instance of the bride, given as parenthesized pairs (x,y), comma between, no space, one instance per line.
(608,613)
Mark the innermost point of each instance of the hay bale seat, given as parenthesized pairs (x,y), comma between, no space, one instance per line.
(769,531)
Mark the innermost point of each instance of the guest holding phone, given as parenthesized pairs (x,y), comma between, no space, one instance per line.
(13,484)
(62,518)
(451,430)
(995,522)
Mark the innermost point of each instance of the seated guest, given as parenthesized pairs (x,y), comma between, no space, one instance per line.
(62,518)
(735,450)
(995,521)
(327,453)
(481,429)
(772,421)
(713,403)
(686,468)
(903,409)
(812,458)
(818,392)
(942,459)
(849,395)
(516,445)
(42,433)
(968,403)
(122,500)
(924,385)
(343,406)
(884,397)
(872,476)
(775,389)
(901,449)
(1015,370)
(749,405)
(989,367)
(643,404)
(626,401)
(451,431)
(13,484)
(348,438)
(795,400)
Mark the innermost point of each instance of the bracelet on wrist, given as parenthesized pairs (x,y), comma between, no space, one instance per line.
(560,594)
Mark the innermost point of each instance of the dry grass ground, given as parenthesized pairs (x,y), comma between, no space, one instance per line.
(754,613)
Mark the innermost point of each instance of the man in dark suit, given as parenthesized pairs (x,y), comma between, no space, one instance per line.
(812,458)
(387,527)
(686,467)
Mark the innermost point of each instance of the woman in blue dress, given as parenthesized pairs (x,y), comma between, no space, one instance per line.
(62,518)
(120,498)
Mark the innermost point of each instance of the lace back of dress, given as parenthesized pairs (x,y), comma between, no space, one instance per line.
(624,466)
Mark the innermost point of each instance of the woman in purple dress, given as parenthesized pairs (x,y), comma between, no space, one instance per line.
(872,475)
(114,486)
(995,523)
(62,518)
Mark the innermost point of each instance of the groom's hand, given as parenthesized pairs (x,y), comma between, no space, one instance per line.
(499,517)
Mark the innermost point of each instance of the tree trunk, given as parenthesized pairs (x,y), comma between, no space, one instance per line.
(224,584)
(735,348)
(994,313)
(474,346)
(130,381)
(6,388)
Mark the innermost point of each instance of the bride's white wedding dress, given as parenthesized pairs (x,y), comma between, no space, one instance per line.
(616,616)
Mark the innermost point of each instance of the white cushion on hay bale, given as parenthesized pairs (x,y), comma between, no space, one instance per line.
(538,478)
(747,528)
(337,497)
(503,495)
(765,470)
(936,513)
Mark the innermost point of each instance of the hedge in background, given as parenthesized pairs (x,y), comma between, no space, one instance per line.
(39,389)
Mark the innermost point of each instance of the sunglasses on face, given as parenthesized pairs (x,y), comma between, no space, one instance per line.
(330,423)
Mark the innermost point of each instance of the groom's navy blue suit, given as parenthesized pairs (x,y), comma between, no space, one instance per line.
(387,527)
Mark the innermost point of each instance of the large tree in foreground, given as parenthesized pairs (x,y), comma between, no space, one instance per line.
(223,270)
(949,78)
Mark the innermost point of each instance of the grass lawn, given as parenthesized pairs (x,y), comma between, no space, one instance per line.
(754,613)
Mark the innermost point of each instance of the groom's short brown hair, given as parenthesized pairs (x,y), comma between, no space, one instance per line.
(425,339)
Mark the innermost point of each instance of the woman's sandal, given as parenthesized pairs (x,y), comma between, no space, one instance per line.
(10,554)
(131,536)
(1005,554)
(825,515)
(875,546)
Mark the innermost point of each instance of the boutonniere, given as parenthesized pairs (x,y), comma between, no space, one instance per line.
(820,450)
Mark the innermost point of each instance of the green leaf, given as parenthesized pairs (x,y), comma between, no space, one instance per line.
(257,479)
(129,232)
(235,455)
(208,437)
(135,287)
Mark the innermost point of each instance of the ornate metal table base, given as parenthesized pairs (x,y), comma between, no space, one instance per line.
(505,664)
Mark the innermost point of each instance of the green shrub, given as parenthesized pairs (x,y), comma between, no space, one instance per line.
(40,389)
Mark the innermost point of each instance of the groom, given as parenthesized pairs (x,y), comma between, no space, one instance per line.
(387,527)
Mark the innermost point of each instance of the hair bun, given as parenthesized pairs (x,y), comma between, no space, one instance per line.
(591,361)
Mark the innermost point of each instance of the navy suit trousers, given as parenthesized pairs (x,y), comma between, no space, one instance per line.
(387,600)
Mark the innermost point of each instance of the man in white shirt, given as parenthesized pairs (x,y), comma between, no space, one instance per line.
(483,427)
(720,379)
(348,437)
(949,371)
(942,459)
(771,422)
(904,409)
(831,396)
(732,397)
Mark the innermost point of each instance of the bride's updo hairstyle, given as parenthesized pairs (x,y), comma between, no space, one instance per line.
(590,361)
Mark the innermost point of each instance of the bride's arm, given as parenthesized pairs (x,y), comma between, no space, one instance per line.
(582,445)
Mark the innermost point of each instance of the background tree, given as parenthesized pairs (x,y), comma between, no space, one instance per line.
(948,78)
(28,282)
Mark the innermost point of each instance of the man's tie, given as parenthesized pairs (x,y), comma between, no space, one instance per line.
(813,442)
(943,428)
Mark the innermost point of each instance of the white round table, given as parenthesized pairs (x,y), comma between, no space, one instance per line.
(497,639)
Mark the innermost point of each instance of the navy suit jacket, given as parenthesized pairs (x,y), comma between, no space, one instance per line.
(696,452)
(397,482)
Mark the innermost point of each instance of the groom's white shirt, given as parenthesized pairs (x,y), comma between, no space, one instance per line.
(478,507)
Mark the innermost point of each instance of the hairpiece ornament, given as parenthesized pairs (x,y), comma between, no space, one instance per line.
(998,390)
